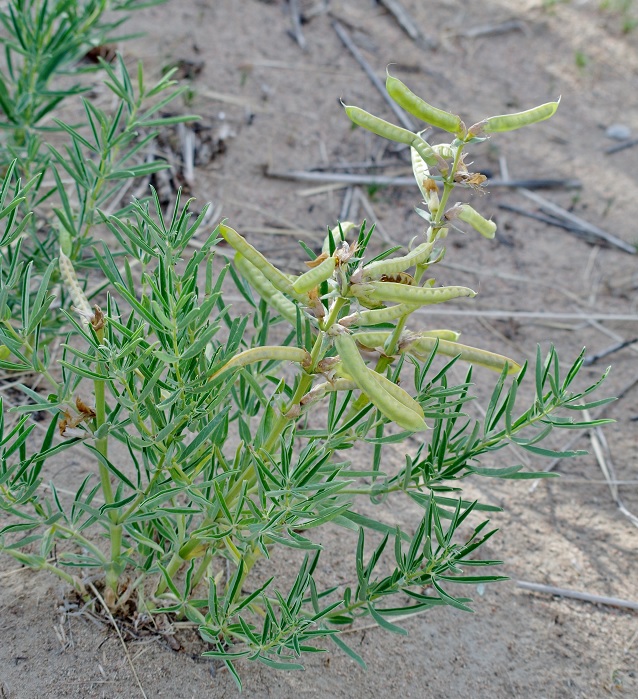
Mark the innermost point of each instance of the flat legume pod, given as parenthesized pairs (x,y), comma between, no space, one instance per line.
(391,266)
(276,277)
(314,277)
(393,133)
(509,122)
(266,352)
(419,108)
(423,346)
(405,294)
(398,406)
(266,290)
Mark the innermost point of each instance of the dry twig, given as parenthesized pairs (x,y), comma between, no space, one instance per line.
(578,595)
(96,593)
(296,33)
(621,146)
(591,359)
(594,233)
(405,21)
(509,25)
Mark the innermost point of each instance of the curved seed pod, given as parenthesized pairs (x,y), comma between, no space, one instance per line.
(371,339)
(466,213)
(376,339)
(421,348)
(509,122)
(5,353)
(374,316)
(404,294)
(393,133)
(80,302)
(405,98)
(266,352)
(276,277)
(314,277)
(404,411)
(444,150)
(401,395)
(442,334)
(266,290)
(346,227)
(64,238)
(391,266)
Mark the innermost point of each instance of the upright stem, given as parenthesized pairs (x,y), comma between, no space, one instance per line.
(386,360)
(101,444)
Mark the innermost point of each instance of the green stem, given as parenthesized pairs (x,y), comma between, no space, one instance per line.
(72,580)
(173,567)
(101,444)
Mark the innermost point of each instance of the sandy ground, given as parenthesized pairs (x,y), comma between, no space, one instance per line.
(281,106)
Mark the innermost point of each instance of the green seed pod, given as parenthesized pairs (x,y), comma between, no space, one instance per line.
(392,266)
(397,404)
(442,334)
(276,277)
(374,316)
(405,294)
(393,133)
(466,213)
(346,227)
(444,150)
(404,97)
(64,238)
(266,352)
(371,339)
(266,290)
(401,395)
(421,347)
(5,353)
(509,122)
(314,277)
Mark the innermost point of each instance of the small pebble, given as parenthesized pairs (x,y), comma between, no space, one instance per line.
(618,132)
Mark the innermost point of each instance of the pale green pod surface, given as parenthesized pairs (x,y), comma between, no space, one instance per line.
(423,346)
(266,290)
(509,122)
(398,410)
(401,395)
(5,353)
(263,353)
(374,316)
(419,108)
(346,227)
(406,294)
(444,150)
(479,223)
(371,339)
(276,277)
(311,279)
(442,334)
(392,132)
(64,238)
(391,266)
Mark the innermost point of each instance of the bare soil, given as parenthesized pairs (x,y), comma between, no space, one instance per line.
(277,107)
